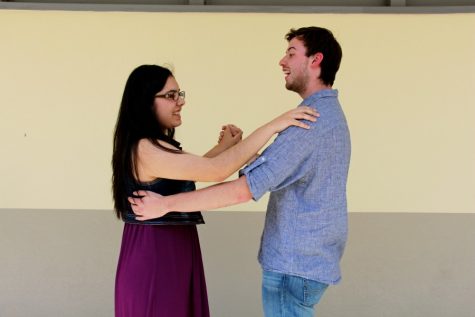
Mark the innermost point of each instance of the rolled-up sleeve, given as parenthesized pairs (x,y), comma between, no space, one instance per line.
(258,181)
(283,162)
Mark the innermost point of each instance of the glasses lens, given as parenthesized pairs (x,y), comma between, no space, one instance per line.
(172,95)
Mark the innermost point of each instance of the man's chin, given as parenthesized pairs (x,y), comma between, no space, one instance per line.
(290,87)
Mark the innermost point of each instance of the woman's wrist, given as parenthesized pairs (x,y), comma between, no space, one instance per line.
(270,128)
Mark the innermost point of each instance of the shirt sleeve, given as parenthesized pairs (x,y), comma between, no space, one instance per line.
(285,161)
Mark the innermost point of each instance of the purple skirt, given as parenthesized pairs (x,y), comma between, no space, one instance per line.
(160,273)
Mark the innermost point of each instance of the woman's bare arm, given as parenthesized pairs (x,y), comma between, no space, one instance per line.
(153,162)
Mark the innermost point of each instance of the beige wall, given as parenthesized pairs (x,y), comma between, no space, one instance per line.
(406,84)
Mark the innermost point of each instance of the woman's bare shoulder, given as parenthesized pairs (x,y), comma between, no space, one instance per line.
(145,146)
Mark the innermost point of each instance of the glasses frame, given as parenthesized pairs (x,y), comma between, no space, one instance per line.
(173,95)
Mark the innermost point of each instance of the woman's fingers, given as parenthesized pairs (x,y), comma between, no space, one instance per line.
(238,135)
(305,113)
(300,124)
(308,117)
(234,129)
(308,110)
(297,115)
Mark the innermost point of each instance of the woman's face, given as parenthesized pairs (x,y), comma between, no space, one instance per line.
(168,104)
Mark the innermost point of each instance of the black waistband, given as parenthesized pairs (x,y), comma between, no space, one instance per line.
(171,218)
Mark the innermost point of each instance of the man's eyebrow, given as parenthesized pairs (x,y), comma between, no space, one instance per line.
(291,48)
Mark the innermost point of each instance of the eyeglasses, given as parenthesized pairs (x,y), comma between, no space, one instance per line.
(172,95)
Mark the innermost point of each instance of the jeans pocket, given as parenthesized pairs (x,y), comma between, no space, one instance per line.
(313,291)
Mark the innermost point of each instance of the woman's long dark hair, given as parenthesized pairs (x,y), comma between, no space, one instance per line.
(137,120)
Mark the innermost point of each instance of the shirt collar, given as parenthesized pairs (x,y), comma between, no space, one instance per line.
(320,94)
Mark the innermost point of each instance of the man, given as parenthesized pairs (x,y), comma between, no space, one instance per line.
(306,172)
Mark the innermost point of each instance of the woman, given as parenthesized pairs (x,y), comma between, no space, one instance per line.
(160,270)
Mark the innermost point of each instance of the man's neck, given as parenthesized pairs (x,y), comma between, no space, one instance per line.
(311,89)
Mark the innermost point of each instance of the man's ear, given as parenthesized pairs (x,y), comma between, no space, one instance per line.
(316,59)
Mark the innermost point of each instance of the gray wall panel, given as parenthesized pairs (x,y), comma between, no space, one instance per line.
(62,263)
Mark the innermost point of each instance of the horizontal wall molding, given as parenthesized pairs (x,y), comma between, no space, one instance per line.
(235,9)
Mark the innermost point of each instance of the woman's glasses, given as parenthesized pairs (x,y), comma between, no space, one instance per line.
(172,95)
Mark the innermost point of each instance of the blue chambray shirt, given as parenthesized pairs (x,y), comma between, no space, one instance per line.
(306,172)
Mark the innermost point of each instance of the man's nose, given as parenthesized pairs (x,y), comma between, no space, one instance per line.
(282,61)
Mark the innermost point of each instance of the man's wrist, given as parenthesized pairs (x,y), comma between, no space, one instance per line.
(166,204)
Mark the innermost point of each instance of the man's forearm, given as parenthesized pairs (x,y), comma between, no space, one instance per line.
(212,197)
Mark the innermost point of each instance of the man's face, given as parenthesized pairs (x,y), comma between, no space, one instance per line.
(295,66)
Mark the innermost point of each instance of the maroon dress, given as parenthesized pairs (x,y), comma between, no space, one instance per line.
(160,270)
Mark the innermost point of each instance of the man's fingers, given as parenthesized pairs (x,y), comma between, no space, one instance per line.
(140,217)
(140,193)
(131,200)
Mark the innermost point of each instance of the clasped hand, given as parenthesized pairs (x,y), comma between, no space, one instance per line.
(229,136)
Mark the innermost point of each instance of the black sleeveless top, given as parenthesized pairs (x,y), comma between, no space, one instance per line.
(164,187)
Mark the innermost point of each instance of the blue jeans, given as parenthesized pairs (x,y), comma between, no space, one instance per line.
(289,296)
